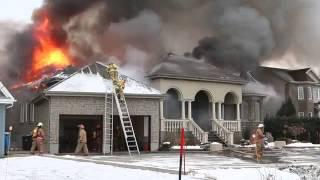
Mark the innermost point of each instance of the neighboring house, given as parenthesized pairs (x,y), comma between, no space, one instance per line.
(6,99)
(301,85)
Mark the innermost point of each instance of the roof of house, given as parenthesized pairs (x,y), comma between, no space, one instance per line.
(91,80)
(293,75)
(181,67)
(253,87)
(5,95)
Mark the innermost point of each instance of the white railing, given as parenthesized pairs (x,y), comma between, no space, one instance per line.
(198,132)
(233,126)
(175,125)
(222,132)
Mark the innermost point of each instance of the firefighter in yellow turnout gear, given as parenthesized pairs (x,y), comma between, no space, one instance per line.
(119,84)
(112,70)
(37,139)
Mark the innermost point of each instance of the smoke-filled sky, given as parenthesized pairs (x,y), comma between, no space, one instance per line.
(238,34)
(18,10)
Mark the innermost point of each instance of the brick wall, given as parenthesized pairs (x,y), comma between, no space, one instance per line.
(95,106)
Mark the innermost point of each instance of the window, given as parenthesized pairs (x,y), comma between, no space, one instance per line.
(309,93)
(318,94)
(31,113)
(300,93)
(300,114)
(22,110)
(315,94)
(310,114)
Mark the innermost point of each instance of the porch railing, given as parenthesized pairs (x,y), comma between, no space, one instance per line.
(175,125)
(233,126)
(222,132)
(198,132)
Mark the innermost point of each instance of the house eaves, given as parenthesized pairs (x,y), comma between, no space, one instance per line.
(87,94)
(180,77)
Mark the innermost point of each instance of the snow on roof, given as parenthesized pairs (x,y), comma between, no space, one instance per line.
(5,95)
(93,82)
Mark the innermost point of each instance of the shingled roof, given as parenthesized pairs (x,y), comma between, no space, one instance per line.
(90,80)
(291,75)
(181,67)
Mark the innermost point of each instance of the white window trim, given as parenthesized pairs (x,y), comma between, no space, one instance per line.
(309,93)
(300,114)
(300,93)
(310,114)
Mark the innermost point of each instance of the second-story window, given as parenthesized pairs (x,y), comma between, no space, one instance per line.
(300,114)
(309,93)
(300,93)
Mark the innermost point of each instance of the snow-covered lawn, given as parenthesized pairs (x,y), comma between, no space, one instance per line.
(46,168)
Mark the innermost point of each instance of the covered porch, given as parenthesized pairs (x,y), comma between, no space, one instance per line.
(201,115)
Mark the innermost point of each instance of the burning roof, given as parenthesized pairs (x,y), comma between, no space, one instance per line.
(90,80)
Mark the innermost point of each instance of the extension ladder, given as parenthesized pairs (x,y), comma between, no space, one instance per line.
(126,124)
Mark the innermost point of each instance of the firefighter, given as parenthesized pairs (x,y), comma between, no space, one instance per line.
(120,85)
(112,70)
(37,139)
(259,140)
(82,141)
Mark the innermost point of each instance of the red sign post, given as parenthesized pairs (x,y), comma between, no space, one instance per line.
(181,151)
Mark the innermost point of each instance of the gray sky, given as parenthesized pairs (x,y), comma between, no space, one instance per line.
(18,10)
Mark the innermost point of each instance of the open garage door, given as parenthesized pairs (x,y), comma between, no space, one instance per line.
(141,126)
(68,132)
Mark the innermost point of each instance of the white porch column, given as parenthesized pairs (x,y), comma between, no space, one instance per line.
(161,110)
(238,117)
(219,111)
(189,110)
(183,109)
(214,110)
(238,112)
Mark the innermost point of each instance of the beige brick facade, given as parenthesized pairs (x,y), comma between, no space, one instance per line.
(95,106)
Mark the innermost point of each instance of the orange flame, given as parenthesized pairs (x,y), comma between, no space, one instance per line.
(47,55)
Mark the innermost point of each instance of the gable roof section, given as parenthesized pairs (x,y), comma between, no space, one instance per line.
(294,75)
(5,95)
(90,80)
(181,67)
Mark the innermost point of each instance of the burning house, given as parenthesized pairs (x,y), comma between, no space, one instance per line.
(202,91)
(80,98)
(205,100)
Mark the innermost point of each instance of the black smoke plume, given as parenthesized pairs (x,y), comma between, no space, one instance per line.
(235,33)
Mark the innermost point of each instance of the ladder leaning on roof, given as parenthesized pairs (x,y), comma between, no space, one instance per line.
(126,124)
(123,112)
(108,124)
